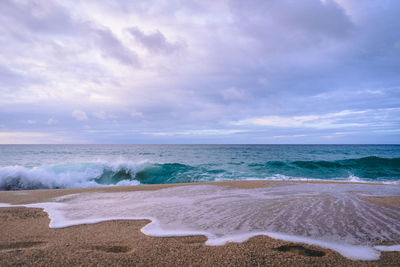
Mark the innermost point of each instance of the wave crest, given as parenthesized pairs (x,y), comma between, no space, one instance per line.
(96,174)
(68,176)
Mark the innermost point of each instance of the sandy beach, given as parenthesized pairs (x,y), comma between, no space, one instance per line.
(26,239)
(199,133)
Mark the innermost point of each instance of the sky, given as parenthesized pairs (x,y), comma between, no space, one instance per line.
(200,71)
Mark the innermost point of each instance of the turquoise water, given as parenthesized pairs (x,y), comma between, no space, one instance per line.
(65,166)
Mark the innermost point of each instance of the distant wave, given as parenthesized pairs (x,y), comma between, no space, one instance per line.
(133,173)
(372,167)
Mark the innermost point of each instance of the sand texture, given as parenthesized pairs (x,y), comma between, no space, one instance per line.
(27,240)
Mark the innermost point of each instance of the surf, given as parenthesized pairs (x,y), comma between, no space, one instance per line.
(125,172)
(336,216)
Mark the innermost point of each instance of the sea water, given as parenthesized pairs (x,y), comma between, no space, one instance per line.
(337,216)
(71,166)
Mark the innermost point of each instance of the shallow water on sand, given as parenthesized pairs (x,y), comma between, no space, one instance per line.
(331,215)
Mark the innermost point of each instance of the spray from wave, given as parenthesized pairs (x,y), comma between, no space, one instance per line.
(68,176)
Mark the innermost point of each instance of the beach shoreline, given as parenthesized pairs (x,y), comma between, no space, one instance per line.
(18,197)
(28,240)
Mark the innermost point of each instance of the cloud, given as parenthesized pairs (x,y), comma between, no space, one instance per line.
(38,22)
(267,68)
(153,42)
(100,115)
(323,121)
(258,18)
(112,47)
(38,137)
(232,94)
(38,16)
(79,115)
(52,121)
(23,137)
(288,136)
(201,132)
(137,114)
(10,78)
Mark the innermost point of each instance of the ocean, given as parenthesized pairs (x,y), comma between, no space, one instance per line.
(75,166)
(350,218)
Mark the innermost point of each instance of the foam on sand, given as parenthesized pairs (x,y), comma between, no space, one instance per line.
(334,216)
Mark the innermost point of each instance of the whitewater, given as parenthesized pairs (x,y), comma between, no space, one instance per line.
(336,216)
(75,166)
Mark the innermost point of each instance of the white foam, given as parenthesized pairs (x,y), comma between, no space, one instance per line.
(388,248)
(79,175)
(127,183)
(353,178)
(332,216)
(350,251)
(282,177)
(6,205)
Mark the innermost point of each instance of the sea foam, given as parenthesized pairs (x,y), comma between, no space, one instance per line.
(76,175)
(334,216)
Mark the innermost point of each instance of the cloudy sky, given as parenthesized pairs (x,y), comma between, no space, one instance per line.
(204,71)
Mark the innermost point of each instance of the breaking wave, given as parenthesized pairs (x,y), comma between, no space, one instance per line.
(94,174)
(98,174)
(68,176)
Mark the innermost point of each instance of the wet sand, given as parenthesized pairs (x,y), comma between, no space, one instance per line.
(26,239)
